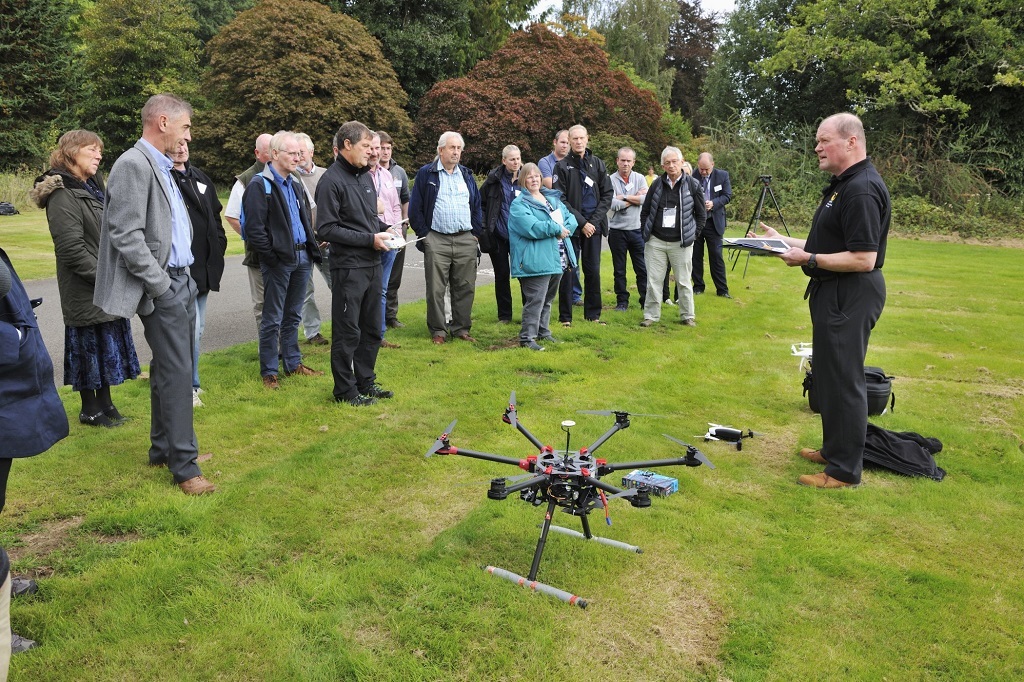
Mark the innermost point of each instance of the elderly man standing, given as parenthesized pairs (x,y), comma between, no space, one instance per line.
(142,267)
(717,189)
(401,178)
(279,229)
(583,180)
(347,218)
(497,193)
(445,210)
(233,212)
(843,256)
(672,210)
(629,188)
(310,174)
(389,211)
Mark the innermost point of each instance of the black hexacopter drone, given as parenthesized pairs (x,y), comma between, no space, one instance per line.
(566,479)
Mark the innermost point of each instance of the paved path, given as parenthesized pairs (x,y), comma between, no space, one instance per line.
(229,318)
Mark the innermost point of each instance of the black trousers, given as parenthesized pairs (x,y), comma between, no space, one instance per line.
(356,328)
(502,277)
(716,263)
(844,310)
(391,314)
(588,255)
(622,243)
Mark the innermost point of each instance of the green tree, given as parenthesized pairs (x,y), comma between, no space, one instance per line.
(267,75)
(691,46)
(211,15)
(38,81)
(134,49)
(537,83)
(637,31)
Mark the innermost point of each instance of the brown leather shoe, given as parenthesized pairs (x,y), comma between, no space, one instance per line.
(317,340)
(384,343)
(270,381)
(813,455)
(438,340)
(823,480)
(466,337)
(197,486)
(304,371)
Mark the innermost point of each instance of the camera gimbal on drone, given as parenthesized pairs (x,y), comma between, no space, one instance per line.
(566,479)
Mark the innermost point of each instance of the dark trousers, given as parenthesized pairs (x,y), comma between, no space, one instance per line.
(169,330)
(844,311)
(588,254)
(394,282)
(284,289)
(621,243)
(716,263)
(502,277)
(356,328)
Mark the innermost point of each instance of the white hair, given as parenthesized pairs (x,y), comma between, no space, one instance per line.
(671,150)
(442,141)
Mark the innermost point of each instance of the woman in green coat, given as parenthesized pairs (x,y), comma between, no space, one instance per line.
(538,225)
(98,348)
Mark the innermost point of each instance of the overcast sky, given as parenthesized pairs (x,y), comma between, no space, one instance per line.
(720,6)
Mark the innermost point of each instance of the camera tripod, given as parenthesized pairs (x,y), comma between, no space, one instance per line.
(755,218)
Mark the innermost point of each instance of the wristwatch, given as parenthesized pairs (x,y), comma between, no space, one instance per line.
(812,262)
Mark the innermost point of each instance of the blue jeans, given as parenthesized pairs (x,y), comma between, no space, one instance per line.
(387,262)
(284,288)
(200,325)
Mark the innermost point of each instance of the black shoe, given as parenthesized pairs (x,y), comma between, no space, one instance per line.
(532,345)
(21,644)
(114,416)
(377,392)
(358,401)
(21,587)
(98,419)
(725,295)
(698,293)
(395,324)
(621,308)
(548,339)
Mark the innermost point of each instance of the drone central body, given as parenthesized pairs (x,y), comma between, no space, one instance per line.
(568,479)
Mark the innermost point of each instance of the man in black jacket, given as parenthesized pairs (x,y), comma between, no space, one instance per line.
(347,218)
(208,244)
(583,180)
(669,220)
(497,193)
(276,218)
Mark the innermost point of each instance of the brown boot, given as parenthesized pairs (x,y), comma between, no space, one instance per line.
(302,370)
(813,455)
(823,480)
(197,486)
(270,381)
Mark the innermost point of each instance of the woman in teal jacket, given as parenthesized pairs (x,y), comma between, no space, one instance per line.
(538,227)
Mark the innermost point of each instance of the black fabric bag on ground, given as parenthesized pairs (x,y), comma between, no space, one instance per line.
(906,452)
(879,388)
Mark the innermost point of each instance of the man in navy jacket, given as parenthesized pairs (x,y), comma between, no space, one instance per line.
(446,211)
(717,189)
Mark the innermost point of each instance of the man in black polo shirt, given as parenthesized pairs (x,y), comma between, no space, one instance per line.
(843,256)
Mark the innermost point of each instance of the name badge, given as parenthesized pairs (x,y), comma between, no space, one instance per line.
(517,192)
(718,188)
(669,218)
(398,184)
(556,215)
(590,181)
(202,187)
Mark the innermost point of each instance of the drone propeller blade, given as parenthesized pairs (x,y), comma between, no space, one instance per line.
(755,433)
(692,451)
(513,419)
(508,480)
(609,413)
(439,443)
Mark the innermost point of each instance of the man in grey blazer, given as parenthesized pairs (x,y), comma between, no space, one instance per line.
(144,254)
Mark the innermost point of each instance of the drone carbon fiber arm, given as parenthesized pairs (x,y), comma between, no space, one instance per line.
(689,460)
(521,463)
(619,425)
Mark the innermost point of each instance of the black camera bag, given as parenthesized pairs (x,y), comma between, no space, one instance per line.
(879,385)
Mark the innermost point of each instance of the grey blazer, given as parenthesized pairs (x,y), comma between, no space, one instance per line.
(135,237)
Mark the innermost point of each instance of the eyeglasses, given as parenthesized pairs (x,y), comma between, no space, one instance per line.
(296,154)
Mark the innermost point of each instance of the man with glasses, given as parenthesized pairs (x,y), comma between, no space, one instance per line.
(278,227)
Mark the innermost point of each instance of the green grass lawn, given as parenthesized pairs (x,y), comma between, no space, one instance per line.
(335,551)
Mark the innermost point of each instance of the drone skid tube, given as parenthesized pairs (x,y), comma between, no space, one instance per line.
(562,595)
(595,538)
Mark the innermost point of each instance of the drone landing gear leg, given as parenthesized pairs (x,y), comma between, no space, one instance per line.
(531,581)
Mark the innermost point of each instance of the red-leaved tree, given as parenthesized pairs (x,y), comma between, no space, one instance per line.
(538,83)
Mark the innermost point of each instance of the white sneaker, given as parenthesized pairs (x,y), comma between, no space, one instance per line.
(196,402)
